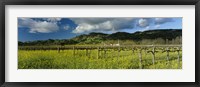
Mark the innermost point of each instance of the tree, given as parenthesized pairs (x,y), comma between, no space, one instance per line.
(178,40)
(159,41)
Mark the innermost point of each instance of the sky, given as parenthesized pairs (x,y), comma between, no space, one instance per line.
(30,29)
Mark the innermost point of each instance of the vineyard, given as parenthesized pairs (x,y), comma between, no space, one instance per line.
(100,57)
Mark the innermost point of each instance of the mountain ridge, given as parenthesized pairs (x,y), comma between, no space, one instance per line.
(139,35)
(159,36)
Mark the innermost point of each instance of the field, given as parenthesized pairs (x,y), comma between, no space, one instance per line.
(143,57)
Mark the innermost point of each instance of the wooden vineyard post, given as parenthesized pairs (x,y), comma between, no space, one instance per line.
(118,52)
(145,51)
(153,56)
(74,51)
(58,49)
(167,41)
(105,53)
(89,52)
(178,50)
(118,56)
(112,52)
(168,58)
(153,53)
(167,50)
(86,51)
(62,48)
(167,55)
(101,52)
(97,52)
(140,58)
(133,52)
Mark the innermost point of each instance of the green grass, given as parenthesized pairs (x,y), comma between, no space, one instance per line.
(51,59)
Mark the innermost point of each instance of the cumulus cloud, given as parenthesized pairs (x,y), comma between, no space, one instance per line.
(148,27)
(37,26)
(163,20)
(157,22)
(157,26)
(52,19)
(143,22)
(85,25)
(67,27)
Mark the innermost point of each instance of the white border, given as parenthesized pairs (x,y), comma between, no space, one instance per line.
(187,74)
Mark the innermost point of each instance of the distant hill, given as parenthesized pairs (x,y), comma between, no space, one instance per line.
(92,35)
(150,34)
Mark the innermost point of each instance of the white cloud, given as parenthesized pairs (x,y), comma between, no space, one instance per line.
(52,19)
(143,23)
(43,27)
(23,22)
(163,20)
(67,27)
(148,27)
(157,26)
(38,26)
(85,25)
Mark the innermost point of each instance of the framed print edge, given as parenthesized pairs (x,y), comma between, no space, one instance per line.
(197,47)
(100,84)
(2,43)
